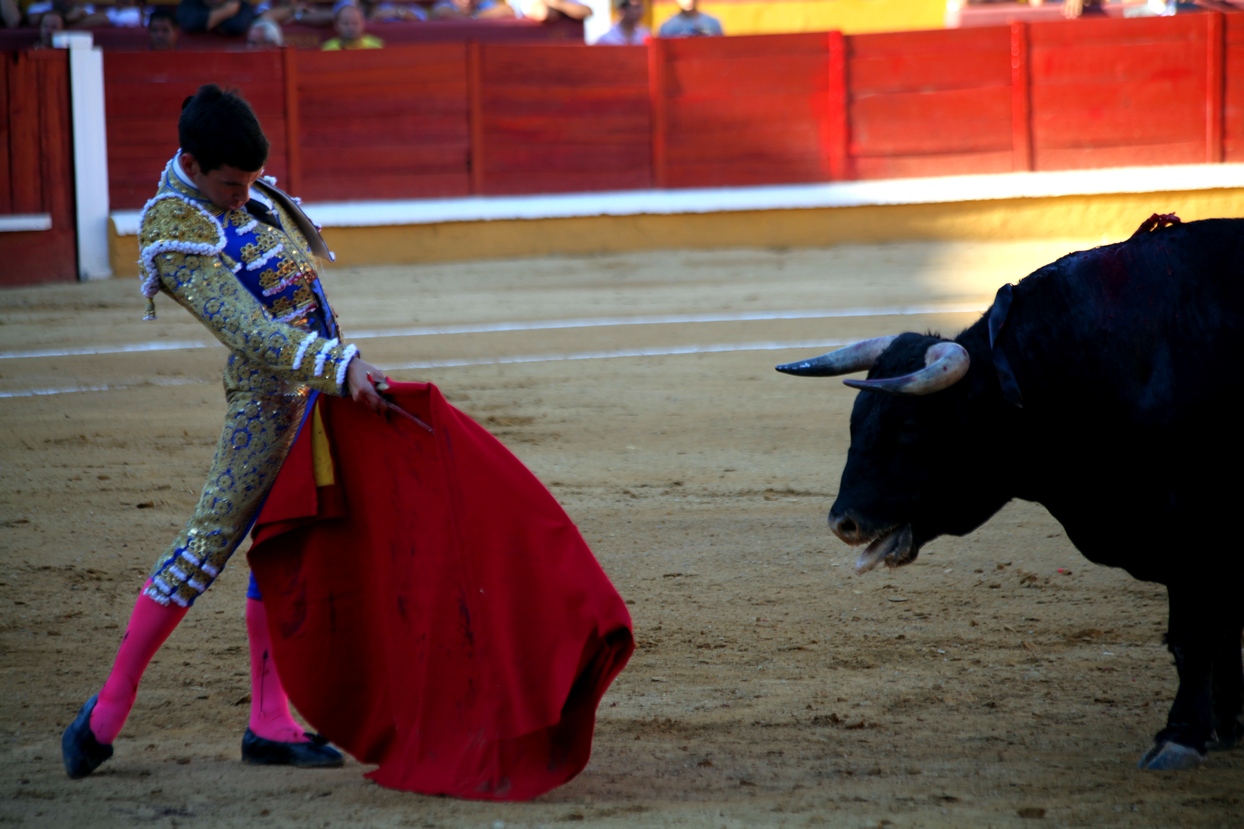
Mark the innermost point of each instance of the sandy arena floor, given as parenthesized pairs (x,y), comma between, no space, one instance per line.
(999,681)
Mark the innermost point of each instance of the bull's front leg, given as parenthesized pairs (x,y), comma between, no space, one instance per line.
(1190,637)
(1228,688)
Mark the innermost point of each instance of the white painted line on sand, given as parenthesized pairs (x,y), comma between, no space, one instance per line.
(536,325)
(86,351)
(672,351)
(109,387)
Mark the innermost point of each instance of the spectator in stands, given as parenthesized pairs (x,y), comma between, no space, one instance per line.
(471,10)
(50,22)
(1082,8)
(550,10)
(300,12)
(10,14)
(264,34)
(125,14)
(383,11)
(351,30)
(162,30)
(72,15)
(224,17)
(690,22)
(627,31)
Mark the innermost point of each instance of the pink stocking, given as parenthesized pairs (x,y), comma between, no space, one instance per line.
(149,626)
(270,717)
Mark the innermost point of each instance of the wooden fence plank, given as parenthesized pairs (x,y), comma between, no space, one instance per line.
(503,184)
(1119,155)
(1168,63)
(385,159)
(837,125)
(604,131)
(929,103)
(41,152)
(716,115)
(293,122)
(24,144)
(958,120)
(1090,114)
(330,186)
(698,48)
(658,60)
(56,134)
(754,75)
(6,153)
(943,164)
(1021,100)
(430,64)
(737,108)
(477,158)
(1088,32)
(406,136)
(940,42)
(911,73)
(1215,53)
(566,111)
(1233,90)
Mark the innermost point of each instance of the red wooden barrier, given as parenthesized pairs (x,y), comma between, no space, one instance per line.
(494,118)
(143,93)
(1109,93)
(658,107)
(837,113)
(1021,100)
(744,110)
(931,103)
(563,118)
(36,167)
(382,123)
(1233,89)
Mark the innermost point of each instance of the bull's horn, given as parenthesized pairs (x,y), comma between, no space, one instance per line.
(944,365)
(855,357)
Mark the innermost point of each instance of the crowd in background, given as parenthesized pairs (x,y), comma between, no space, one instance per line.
(260,22)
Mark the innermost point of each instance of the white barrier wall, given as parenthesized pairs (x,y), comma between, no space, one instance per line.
(90,152)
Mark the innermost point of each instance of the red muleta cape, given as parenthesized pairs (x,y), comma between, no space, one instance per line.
(434,610)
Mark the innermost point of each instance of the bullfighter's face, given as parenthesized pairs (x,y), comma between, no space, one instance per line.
(226,187)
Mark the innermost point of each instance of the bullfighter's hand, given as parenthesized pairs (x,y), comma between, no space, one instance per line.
(362,378)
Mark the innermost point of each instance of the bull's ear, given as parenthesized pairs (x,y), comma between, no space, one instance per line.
(855,357)
(944,365)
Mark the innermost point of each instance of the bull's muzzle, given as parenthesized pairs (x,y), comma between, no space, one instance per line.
(847,528)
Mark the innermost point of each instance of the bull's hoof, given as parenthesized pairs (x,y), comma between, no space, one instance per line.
(1170,757)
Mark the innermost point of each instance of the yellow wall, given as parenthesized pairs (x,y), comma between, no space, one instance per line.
(1109,217)
(753,17)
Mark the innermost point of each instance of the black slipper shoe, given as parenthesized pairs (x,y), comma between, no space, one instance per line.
(79,749)
(316,754)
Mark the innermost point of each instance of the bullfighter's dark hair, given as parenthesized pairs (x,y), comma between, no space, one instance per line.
(219,128)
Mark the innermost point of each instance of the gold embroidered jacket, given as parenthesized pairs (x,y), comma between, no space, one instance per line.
(254,285)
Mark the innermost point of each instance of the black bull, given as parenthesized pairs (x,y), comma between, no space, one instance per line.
(1102,386)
